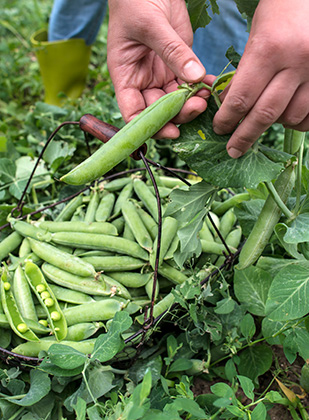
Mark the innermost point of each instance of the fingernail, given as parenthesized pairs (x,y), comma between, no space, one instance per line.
(193,71)
(234,153)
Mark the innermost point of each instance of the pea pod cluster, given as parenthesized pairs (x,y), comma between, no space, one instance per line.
(64,278)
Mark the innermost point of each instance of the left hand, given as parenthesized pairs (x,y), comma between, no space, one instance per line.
(271,83)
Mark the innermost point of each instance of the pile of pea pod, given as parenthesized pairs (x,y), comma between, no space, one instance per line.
(64,279)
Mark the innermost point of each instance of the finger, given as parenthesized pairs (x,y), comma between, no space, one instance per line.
(297,109)
(175,53)
(303,126)
(270,105)
(247,85)
(126,98)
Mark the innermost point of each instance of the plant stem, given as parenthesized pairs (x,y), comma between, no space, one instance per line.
(287,143)
(272,190)
(299,175)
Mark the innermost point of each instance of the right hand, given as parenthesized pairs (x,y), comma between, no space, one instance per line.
(149,54)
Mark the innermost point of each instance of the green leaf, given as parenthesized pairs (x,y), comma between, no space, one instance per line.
(298,231)
(247,214)
(141,366)
(109,344)
(291,248)
(53,369)
(189,406)
(198,13)
(247,386)
(66,357)
(205,152)
(259,412)
(80,409)
(247,9)
(225,306)
(288,296)
(39,387)
(180,364)
(251,287)
(7,170)
(247,327)
(296,341)
(255,361)
(187,203)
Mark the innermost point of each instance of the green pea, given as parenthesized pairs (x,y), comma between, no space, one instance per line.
(40,288)
(49,302)
(6,285)
(45,295)
(22,327)
(55,316)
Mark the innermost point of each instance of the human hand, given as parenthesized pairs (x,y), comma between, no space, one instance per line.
(271,83)
(149,55)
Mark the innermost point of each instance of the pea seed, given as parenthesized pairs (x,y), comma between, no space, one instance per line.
(22,327)
(45,295)
(6,285)
(49,302)
(40,288)
(55,316)
(43,322)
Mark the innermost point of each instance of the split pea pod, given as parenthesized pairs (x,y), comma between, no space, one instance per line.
(103,242)
(82,226)
(47,300)
(129,138)
(14,317)
(61,259)
(267,219)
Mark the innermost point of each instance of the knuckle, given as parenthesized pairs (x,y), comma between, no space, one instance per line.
(266,116)
(172,51)
(238,104)
(292,119)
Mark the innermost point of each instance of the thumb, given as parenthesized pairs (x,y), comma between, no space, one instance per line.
(176,54)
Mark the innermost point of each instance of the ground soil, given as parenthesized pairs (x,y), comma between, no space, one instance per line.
(288,374)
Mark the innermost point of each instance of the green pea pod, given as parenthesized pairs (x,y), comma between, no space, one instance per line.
(33,350)
(149,222)
(101,310)
(23,295)
(71,296)
(116,184)
(81,226)
(129,138)
(103,242)
(105,207)
(114,263)
(161,306)
(9,244)
(219,208)
(61,259)
(136,225)
(123,196)
(50,304)
(63,278)
(227,222)
(147,198)
(268,218)
(14,317)
(24,249)
(131,279)
(70,208)
(29,230)
(172,274)
(169,231)
(92,206)
(149,289)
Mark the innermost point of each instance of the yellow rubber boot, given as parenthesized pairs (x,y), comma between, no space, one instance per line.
(63,66)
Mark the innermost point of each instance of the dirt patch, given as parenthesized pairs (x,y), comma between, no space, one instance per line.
(285,372)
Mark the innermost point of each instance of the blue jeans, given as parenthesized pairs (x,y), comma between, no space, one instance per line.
(83,18)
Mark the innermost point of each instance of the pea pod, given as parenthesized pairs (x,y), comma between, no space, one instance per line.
(114,263)
(136,225)
(268,218)
(23,296)
(92,206)
(101,310)
(53,311)
(148,199)
(72,281)
(33,350)
(129,138)
(81,226)
(29,230)
(14,317)
(169,231)
(103,242)
(131,279)
(105,207)
(61,259)
(9,244)
(71,296)
(69,209)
